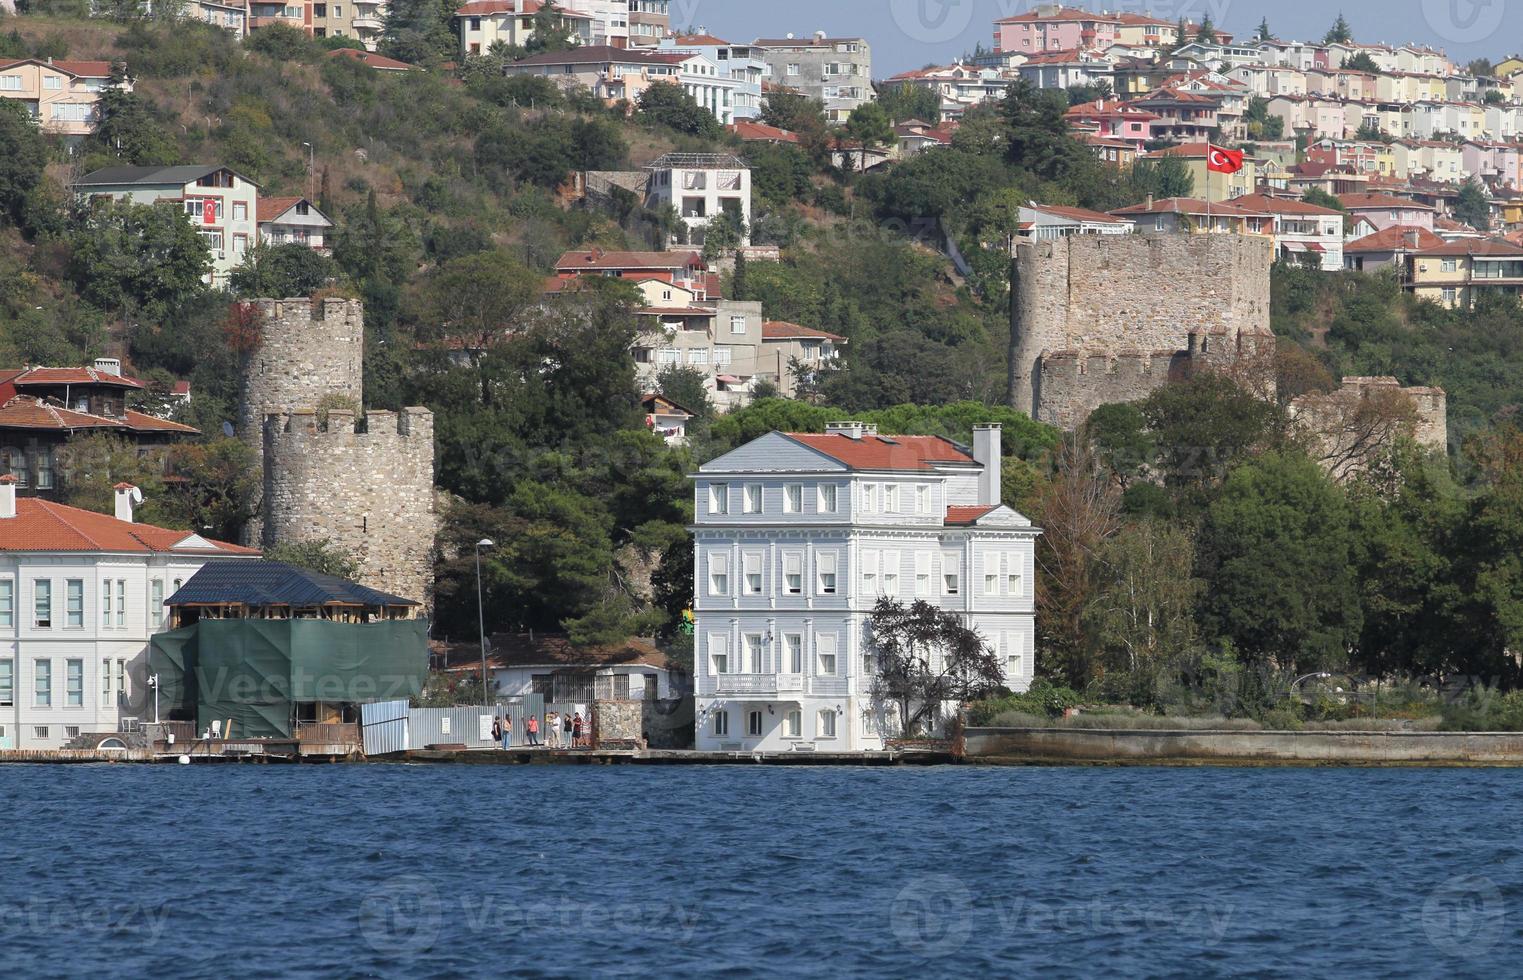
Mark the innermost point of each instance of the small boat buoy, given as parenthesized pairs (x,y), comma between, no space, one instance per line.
(184,760)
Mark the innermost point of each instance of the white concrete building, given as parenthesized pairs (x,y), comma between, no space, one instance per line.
(796,538)
(80,594)
(701,186)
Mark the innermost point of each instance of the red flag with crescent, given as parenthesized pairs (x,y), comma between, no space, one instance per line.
(1223,161)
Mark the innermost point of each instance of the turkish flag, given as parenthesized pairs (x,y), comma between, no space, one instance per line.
(208,212)
(1223,161)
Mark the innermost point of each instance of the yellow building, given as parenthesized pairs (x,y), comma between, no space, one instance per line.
(1210,186)
(61,96)
(1455,274)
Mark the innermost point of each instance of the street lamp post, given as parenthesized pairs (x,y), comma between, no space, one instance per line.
(311,159)
(481,616)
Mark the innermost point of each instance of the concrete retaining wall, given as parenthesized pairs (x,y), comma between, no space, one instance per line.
(1016,746)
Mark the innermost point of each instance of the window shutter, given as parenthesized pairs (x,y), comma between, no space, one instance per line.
(792,564)
(924,572)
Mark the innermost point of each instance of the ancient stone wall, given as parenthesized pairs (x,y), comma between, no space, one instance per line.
(369,492)
(1353,425)
(1130,300)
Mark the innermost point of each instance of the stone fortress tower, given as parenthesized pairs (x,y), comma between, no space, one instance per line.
(364,482)
(1097,319)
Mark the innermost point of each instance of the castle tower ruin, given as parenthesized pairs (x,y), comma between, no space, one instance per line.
(365,486)
(1097,319)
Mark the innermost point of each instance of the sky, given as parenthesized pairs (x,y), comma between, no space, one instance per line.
(907,34)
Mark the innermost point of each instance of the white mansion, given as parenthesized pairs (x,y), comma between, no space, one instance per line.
(796,538)
(80,594)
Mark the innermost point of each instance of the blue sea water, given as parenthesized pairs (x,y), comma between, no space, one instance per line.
(450,871)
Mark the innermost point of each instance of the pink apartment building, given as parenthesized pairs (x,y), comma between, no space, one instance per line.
(1051,27)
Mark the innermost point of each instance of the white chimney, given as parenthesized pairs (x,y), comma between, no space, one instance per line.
(127,497)
(986,450)
(109,365)
(851,430)
(7,496)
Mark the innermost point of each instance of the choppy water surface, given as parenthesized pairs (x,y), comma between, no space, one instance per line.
(308,871)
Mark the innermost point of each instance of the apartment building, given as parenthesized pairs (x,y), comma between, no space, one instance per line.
(836,70)
(1386,211)
(363,20)
(959,86)
(483,23)
(226,14)
(222,203)
(740,63)
(1192,216)
(1304,234)
(721,339)
(1051,27)
(649,22)
(619,75)
(1455,274)
(701,186)
(81,593)
(610,19)
(796,538)
(61,96)
(297,14)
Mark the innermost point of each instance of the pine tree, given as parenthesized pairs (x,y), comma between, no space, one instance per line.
(1340,32)
(1263,33)
(1206,34)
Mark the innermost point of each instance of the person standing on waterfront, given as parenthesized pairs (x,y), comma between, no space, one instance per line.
(532,727)
(553,730)
(507,732)
(497,729)
(576,731)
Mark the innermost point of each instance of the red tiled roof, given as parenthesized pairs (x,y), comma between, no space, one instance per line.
(372,60)
(599,259)
(698,39)
(1280,205)
(1395,238)
(1189,205)
(883,452)
(72,376)
(1077,214)
(1353,201)
(783,330)
(761,132)
(271,208)
(42,525)
(966,515)
(28,412)
(81,69)
(1058,15)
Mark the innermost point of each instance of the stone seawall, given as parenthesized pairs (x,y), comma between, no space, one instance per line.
(1078,746)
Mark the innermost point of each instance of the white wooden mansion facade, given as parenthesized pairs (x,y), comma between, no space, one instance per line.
(80,595)
(796,538)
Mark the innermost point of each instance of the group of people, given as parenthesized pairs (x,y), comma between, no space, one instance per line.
(560,731)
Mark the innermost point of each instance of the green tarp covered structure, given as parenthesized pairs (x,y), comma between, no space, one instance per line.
(253,671)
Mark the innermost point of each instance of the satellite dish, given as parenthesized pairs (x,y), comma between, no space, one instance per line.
(227,429)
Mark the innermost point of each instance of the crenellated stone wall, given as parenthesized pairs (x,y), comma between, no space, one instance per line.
(1104,318)
(365,484)
(370,491)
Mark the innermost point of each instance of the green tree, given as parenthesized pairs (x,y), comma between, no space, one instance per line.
(1473,205)
(479,298)
(1206,33)
(321,555)
(553,31)
(926,658)
(1161,177)
(139,259)
(870,126)
(1276,555)
(1361,61)
(282,271)
(91,465)
(419,31)
(903,102)
(1039,143)
(687,387)
(1340,32)
(218,489)
(666,104)
(1205,425)
(1263,33)
(1322,199)
(23,154)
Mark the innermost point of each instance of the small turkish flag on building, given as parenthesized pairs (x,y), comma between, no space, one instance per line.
(1223,161)
(209,211)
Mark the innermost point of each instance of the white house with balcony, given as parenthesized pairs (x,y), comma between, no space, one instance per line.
(221,203)
(80,595)
(701,186)
(796,538)
(294,221)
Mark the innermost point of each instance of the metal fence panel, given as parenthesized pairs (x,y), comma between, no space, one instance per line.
(471,726)
(384,726)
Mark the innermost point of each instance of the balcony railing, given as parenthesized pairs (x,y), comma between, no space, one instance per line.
(745,684)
